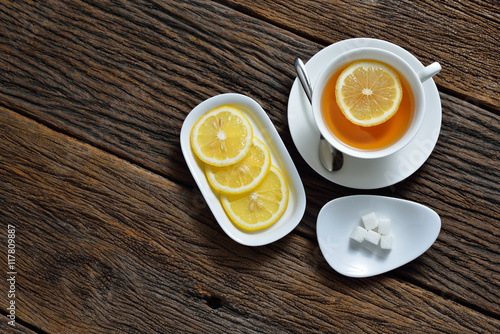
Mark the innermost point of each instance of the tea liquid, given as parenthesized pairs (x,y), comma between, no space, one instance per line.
(366,138)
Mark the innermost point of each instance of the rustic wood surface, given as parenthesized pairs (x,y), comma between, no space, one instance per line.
(112,233)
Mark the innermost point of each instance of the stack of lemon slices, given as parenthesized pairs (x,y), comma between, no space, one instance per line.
(253,193)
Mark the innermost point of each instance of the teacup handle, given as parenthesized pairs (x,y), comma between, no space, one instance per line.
(429,71)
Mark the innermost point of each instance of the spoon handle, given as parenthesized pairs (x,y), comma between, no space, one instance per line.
(302,74)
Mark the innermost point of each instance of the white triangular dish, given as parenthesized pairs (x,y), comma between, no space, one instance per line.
(414,228)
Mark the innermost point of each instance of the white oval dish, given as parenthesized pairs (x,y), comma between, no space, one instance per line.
(414,228)
(265,131)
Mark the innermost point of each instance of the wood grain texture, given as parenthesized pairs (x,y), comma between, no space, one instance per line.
(461,183)
(96,180)
(16,329)
(148,265)
(126,84)
(461,35)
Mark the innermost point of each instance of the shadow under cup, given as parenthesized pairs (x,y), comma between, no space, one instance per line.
(409,76)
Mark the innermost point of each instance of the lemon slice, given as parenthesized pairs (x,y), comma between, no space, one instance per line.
(244,175)
(222,136)
(368,92)
(261,207)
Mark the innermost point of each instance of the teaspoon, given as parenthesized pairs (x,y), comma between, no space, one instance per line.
(331,158)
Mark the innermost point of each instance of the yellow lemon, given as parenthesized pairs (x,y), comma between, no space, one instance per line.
(244,175)
(368,92)
(261,207)
(222,136)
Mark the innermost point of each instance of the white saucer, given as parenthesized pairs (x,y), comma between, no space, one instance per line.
(363,173)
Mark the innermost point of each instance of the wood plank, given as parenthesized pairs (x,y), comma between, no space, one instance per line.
(126,84)
(141,120)
(149,264)
(462,36)
(464,265)
(115,74)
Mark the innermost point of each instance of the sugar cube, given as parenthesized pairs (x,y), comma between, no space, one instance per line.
(370,221)
(386,241)
(358,234)
(384,226)
(372,237)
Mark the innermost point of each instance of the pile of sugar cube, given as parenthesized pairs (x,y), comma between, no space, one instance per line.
(374,230)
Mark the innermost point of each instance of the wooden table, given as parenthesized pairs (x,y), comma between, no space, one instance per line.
(111,233)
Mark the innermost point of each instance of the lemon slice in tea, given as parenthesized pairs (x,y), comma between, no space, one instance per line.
(261,207)
(368,92)
(244,175)
(222,136)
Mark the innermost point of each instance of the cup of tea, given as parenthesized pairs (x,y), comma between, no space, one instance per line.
(372,141)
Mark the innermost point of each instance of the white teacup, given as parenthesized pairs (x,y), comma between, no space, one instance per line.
(413,78)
